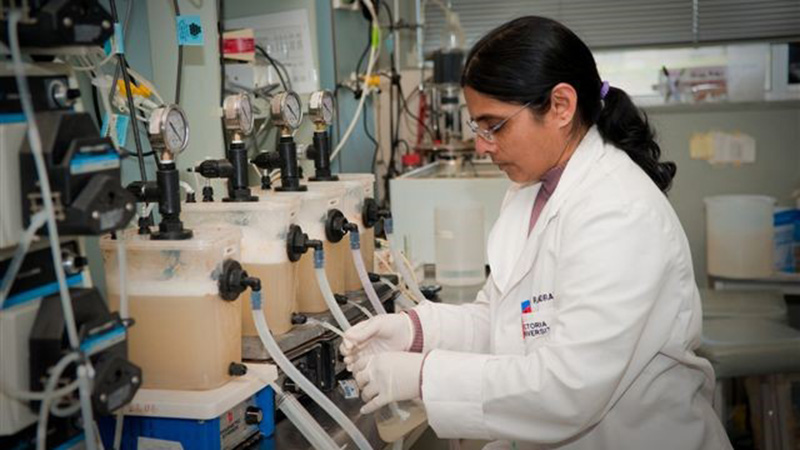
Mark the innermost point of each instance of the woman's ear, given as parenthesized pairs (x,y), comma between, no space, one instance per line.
(563,104)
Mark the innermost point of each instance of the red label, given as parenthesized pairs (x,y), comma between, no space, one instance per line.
(239,45)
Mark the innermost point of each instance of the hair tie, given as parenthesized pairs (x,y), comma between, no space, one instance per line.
(604,90)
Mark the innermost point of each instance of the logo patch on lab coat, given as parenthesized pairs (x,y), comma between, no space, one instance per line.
(533,325)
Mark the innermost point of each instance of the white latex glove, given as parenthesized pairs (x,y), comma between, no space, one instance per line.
(383,333)
(388,377)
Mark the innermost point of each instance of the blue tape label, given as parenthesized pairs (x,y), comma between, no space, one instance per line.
(88,163)
(119,130)
(189,29)
(119,39)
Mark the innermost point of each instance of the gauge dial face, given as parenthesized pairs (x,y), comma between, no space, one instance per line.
(287,110)
(320,107)
(292,110)
(176,130)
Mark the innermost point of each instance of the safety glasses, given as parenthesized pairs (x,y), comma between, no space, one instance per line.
(488,133)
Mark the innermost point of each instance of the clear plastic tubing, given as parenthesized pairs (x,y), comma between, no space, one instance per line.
(37,221)
(308,427)
(327,292)
(297,377)
(398,262)
(85,394)
(50,387)
(122,258)
(361,268)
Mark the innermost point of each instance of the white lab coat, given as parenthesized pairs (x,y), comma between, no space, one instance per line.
(604,358)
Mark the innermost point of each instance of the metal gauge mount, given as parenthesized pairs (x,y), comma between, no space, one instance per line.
(286,111)
(321,108)
(238,113)
(169,129)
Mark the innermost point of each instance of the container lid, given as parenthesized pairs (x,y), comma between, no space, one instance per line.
(367,179)
(353,199)
(314,206)
(183,268)
(264,224)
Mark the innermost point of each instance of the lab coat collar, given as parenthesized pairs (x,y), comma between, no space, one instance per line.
(509,260)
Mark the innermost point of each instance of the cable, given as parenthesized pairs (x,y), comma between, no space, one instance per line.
(129,95)
(274,64)
(180,57)
(371,138)
(373,57)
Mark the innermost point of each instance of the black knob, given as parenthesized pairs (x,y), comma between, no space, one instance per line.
(336,226)
(299,319)
(253,415)
(237,369)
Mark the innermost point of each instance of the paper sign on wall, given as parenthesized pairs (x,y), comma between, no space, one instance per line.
(718,147)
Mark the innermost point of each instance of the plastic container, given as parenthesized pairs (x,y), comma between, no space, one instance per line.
(460,246)
(358,186)
(314,206)
(739,236)
(264,226)
(185,336)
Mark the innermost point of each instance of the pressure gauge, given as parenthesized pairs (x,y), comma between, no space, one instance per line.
(286,110)
(238,110)
(169,129)
(320,107)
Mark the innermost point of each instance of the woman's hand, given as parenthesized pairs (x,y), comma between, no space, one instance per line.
(383,333)
(388,377)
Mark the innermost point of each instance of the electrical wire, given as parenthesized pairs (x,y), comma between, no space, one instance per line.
(129,95)
(373,58)
(276,65)
(180,57)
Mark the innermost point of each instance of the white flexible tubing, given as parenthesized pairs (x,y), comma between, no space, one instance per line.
(118,431)
(403,270)
(358,260)
(373,58)
(298,378)
(326,325)
(44,182)
(122,266)
(327,292)
(28,396)
(364,310)
(305,423)
(49,391)
(37,221)
(124,313)
(186,187)
(85,394)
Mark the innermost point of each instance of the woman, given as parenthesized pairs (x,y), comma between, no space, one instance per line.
(583,336)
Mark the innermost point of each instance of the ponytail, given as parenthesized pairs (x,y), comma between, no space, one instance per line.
(625,126)
(520,62)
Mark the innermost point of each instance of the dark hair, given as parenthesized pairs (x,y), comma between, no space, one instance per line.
(522,60)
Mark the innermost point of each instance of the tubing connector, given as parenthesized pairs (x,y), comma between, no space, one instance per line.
(298,243)
(337,225)
(355,239)
(299,319)
(234,280)
(372,213)
(319,258)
